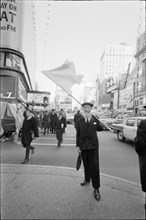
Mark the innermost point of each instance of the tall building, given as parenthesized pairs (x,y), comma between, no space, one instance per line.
(114,61)
(18,53)
(141,18)
(140,79)
(62,100)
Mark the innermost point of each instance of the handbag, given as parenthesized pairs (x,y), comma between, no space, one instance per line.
(79,161)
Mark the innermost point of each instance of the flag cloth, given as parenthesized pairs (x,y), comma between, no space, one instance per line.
(64,76)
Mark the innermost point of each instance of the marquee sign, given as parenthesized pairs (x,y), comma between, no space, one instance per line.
(11,22)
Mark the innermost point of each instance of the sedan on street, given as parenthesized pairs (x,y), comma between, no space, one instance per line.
(106,119)
(128,129)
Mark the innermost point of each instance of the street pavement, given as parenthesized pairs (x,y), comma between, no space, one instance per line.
(49,192)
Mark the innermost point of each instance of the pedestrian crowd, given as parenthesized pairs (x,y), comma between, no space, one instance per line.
(48,122)
(86,125)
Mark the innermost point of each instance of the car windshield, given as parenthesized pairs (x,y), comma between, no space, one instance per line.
(103,116)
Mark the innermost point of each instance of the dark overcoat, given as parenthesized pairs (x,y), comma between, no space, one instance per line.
(53,118)
(46,121)
(60,126)
(76,117)
(141,150)
(29,126)
(86,135)
(60,123)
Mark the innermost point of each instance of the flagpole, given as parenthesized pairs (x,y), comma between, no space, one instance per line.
(64,90)
(81,104)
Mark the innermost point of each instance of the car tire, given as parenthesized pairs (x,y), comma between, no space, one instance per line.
(120,136)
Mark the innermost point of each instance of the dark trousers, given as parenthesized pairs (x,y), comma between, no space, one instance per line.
(45,128)
(52,130)
(142,168)
(28,148)
(59,134)
(91,167)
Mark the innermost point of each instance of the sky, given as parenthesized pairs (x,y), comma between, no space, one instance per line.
(79,31)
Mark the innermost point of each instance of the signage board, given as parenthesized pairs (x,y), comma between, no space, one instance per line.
(37,97)
(65,106)
(11,23)
(113,87)
(106,105)
(126,97)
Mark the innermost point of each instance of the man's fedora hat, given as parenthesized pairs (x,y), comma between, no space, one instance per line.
(87,103)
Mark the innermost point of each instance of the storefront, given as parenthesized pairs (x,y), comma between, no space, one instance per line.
(14,86)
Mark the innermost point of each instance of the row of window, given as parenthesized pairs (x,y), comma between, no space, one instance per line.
(121,55)
(139,102)
(14,61)
(131,122)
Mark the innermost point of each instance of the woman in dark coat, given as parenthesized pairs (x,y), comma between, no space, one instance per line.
(140,147)
(28,133)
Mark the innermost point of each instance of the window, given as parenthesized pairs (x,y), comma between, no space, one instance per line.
(13,60)
(138,122)
(8,87)
(2,58)
(17,63)
(130,122)
(141,101)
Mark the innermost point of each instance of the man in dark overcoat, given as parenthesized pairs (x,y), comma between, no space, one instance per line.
(53,118)
(140,147)
(59,127)
(46,122)
(87,143)
(76,117)
(28,133)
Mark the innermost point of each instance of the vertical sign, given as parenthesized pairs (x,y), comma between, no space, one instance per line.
(11,23)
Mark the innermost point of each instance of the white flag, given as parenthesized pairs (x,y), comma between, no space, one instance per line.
(64,76)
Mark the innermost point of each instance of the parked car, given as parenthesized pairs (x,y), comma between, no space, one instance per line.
(69,118)
(109,121)
(128,129)
(120,118)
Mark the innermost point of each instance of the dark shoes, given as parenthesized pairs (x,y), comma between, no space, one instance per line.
(97,194)
(59,143)
(25,161)
(84,183)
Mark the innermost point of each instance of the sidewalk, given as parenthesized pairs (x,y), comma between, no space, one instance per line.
(46,192)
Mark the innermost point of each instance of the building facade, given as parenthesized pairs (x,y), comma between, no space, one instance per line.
(114,61)
(17,59)
(140,76)
(62,100)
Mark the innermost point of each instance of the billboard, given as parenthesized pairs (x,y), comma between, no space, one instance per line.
(38,97)
(11,23)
